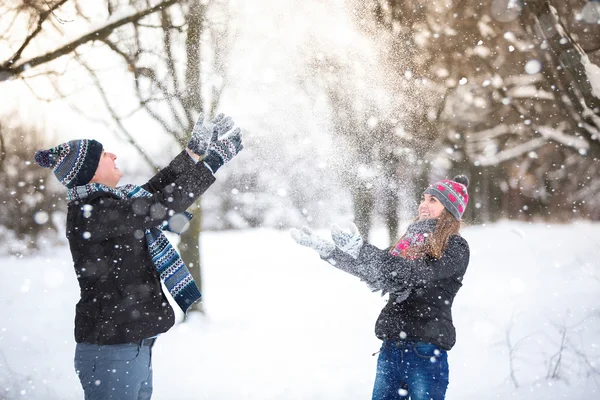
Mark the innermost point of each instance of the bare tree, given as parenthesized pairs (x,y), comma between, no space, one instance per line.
(164,54)
(561,356)
(162,46)
(27,199)
(514,92)
(39,16)
(513,347)
(375,142)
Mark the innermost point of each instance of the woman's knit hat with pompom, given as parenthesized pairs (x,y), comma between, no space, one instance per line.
(452,194)
(74,163)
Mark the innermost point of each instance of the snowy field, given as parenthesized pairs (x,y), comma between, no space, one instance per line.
(281,324)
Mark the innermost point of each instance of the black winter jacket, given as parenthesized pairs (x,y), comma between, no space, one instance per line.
(426,314)
(121,296)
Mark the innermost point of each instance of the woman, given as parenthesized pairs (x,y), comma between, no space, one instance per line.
(121,256)
(422,273)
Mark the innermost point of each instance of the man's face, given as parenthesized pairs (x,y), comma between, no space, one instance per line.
(107,172)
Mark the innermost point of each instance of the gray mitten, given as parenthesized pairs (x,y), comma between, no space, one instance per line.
(349,243)
(201,136)
(306,237)
(221,125)
(223,147)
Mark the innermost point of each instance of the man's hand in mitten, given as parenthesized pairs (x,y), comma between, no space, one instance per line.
(306,237)
(221,124)
(223,147)
(349,243)
(201,136)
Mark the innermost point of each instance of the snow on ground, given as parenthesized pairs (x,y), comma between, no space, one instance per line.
(281,324)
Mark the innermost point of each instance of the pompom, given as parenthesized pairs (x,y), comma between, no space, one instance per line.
(44,158)
(461,179)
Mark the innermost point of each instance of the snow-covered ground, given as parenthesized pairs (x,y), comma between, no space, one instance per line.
(281,324)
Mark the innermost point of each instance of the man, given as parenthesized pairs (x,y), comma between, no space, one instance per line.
(121,255)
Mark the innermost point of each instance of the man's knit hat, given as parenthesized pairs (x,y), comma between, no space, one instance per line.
(74,163)
(452,194)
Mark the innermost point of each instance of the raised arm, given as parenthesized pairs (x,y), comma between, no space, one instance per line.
(105,217)
(182,162)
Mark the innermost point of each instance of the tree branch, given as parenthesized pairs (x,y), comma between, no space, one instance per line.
(43,16)
(139,72)
(114,115)
(192,100)
(6,71)
(568,53)
(170,60)
(2,153)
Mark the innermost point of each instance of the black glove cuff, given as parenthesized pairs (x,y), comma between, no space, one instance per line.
(214,161)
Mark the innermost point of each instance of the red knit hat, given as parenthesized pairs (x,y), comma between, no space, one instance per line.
(452,194)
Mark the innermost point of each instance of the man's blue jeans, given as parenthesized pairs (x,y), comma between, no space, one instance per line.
(407,369)
(115,372)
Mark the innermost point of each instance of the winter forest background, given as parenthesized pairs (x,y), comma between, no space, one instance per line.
(349,109)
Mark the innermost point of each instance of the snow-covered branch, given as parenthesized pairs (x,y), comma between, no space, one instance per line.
(496,131)
(42,17)
(511,153)
(568,52)
(560,137)
(593,74)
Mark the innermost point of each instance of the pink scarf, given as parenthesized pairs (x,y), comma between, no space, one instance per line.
(415,235)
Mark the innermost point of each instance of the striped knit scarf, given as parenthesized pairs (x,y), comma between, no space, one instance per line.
(173,272)
(416,234)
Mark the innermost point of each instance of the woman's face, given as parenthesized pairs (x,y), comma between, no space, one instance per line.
(430,207)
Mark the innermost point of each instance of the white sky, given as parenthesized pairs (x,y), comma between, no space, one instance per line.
(275,39)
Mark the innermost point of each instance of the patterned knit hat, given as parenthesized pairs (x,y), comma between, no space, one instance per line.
(74,163)
(452,194)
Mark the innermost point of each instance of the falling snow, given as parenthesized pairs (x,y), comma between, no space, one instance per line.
(330,103)
(541,278)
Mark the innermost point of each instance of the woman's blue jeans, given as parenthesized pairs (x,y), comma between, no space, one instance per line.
(411,370)
(115,372)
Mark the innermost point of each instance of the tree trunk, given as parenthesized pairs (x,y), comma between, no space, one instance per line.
(192,101)
(189,247)
(391,202)
(391,215)
(363,201)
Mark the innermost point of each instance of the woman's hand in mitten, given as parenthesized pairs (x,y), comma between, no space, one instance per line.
(349,243)
(306,237)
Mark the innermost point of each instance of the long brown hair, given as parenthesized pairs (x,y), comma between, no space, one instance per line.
(435,243)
